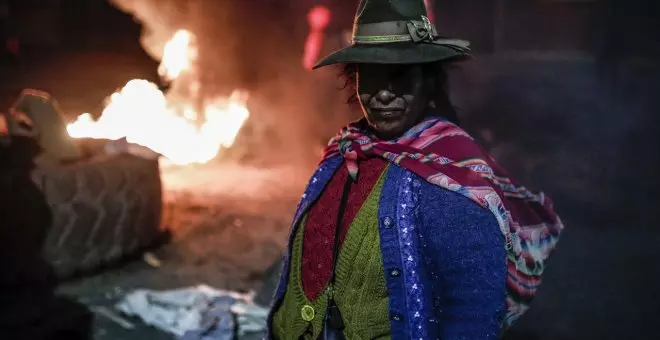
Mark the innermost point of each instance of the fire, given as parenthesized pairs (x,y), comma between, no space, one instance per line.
(178,56)
(182,130)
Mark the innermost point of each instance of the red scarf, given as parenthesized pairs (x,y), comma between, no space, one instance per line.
(444,155)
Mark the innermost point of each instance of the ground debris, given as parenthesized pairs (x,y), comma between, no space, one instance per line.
(196,313)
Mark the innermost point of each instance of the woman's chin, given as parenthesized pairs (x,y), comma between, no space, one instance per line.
(389,129)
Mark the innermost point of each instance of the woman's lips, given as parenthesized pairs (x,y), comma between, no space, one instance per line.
(388,112)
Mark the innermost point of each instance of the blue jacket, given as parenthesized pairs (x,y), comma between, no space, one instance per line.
(443,255)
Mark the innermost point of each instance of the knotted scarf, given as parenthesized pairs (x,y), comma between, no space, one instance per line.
(446,156)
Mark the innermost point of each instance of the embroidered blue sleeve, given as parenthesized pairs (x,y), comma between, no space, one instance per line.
(466,264)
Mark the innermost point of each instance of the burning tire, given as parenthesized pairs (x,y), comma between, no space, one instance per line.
(103,209)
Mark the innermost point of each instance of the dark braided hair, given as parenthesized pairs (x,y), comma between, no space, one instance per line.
(440,95)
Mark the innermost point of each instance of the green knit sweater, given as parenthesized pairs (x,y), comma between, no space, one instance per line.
(360,290)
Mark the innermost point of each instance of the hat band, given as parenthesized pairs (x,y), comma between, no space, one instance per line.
(418,31)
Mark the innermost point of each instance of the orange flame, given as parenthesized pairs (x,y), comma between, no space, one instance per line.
(146,116)
(178,56)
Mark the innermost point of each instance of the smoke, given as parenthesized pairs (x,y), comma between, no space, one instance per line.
(258,48)
(555,123)
(159,20)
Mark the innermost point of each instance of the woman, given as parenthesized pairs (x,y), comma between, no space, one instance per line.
(408,229)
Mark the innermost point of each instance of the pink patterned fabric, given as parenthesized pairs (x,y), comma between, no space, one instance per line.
(445,155)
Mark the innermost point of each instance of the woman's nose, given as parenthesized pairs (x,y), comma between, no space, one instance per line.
(385,96)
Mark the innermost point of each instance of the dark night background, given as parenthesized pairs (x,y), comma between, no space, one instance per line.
(565,93)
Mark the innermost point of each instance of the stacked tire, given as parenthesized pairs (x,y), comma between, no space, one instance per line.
(103,206)
(103,209)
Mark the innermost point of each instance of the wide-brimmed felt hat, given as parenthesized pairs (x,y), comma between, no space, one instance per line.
(396,32)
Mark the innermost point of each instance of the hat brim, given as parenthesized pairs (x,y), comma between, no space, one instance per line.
(394,53)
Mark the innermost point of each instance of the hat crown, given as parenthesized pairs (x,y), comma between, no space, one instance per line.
(374,11)
(396,32)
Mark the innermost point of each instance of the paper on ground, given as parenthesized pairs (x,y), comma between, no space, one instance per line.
(182,310)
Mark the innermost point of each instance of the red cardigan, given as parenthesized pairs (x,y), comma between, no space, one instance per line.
(319,233)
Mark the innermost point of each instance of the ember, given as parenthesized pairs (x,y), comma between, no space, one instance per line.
(180,129)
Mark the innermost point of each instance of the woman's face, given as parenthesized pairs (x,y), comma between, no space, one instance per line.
(393,97)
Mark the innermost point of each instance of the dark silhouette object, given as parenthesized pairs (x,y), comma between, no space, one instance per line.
(105,207)
(29,308)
